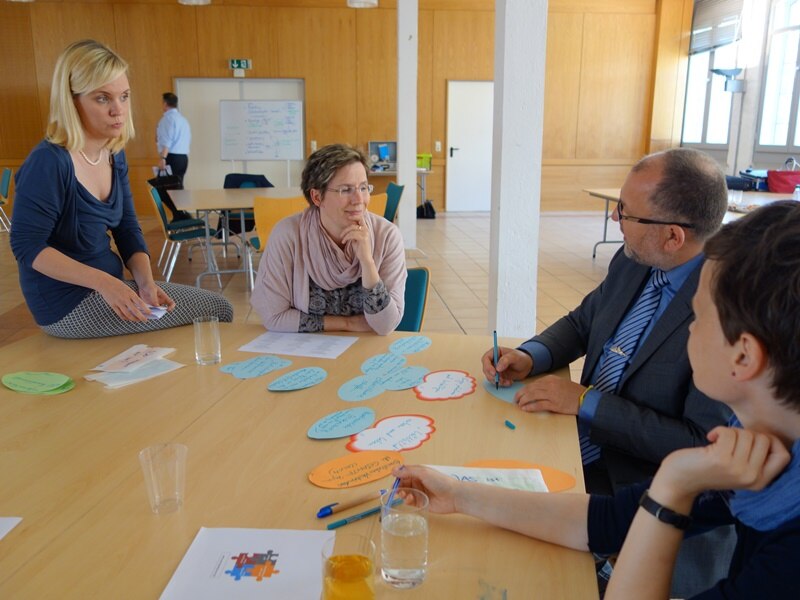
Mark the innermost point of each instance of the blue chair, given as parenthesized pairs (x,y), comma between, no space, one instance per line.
(175,237)
(230,223)
(393,193)
(416,296)
(174,225)
(5,183)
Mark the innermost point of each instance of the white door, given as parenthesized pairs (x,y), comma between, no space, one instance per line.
(469,145)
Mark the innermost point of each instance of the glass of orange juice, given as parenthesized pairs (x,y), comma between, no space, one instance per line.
(348,568)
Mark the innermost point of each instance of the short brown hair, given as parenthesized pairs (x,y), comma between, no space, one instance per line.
(692,189)
(323,164)
(756,288)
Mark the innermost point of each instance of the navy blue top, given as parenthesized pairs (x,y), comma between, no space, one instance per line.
(52,209)
(764,563)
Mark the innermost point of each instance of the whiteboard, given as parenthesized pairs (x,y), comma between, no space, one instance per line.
(199,101)
(261,129)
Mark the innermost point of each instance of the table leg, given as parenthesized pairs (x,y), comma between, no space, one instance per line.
(605,239)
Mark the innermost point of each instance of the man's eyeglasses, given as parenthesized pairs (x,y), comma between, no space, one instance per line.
(346,191)
(623,217)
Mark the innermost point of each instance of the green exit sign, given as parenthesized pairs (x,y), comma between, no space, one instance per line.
(240,63)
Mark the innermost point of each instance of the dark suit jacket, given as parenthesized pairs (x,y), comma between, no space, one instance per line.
(657,408)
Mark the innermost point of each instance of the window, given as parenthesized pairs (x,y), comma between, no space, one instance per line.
(707,111)
(779,126)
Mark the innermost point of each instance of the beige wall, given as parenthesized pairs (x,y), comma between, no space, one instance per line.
(609,63)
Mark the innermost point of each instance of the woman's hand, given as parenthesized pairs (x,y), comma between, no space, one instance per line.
(735,459)
(357,235)
(123,300)
(440,489)
(155,296)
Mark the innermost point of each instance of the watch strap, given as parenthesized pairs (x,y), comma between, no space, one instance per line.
(664,514)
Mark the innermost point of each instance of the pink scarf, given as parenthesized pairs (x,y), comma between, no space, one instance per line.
(329,266)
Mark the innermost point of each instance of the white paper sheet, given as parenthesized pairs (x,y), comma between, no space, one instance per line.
(133,358)
(152,369)
(313,345)
(7,524)
(515,479)
(250,563)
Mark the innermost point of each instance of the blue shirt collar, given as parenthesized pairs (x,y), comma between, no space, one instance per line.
(678,275)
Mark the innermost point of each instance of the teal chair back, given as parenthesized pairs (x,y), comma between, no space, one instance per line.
(393,193)
(416,296)
(5,183)
(160,208)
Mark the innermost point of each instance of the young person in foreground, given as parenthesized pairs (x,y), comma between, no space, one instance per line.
(745,351)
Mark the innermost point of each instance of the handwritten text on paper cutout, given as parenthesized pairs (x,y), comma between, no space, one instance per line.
(399,432)
(445,385)
(355,469)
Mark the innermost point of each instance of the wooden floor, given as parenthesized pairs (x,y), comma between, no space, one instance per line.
(454,246)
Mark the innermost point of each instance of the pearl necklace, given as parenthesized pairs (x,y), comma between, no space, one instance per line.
(94,163)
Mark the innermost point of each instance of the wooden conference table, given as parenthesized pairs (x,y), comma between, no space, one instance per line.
(69,467)
(610,195)
(235,200)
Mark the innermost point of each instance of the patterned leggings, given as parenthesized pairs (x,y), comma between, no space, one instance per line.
(94,318)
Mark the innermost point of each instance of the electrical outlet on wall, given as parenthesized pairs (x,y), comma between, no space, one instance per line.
(313,145)
(437,146)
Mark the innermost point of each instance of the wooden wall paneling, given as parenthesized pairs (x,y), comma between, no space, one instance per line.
(463,49)
(644,7)
(376,75)
(159,43)
(319,46)
(565,184)
(425,138)
(562,84)
(225,32)
(55,26)
(20,116)
(616,76)
(673,28)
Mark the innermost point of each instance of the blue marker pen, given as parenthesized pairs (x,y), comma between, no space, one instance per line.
(361,515)
(496,356)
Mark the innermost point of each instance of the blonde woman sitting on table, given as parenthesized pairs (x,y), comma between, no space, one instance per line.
(335,266)
(744,351)
(73,190)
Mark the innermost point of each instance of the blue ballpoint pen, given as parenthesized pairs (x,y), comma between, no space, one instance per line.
(390,499)
(361,515)
(328,510)
(496,353)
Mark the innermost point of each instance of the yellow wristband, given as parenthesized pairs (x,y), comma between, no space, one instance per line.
(583,396)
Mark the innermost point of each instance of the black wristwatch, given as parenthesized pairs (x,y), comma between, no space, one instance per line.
(664,514)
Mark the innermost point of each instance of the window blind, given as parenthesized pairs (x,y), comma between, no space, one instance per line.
(715,23)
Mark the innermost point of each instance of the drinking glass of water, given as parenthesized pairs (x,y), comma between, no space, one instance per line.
(404,538)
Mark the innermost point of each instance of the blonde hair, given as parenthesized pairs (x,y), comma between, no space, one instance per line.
(83,67)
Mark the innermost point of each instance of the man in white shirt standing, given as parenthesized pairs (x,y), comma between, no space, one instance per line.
(173,137)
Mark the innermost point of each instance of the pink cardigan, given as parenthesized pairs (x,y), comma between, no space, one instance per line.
(282,285)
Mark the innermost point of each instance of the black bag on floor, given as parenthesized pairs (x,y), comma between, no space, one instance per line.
(426,210)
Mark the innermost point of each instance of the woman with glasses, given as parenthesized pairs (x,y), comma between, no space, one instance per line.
(335,266)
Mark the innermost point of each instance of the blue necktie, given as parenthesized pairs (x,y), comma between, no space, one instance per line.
(623,346)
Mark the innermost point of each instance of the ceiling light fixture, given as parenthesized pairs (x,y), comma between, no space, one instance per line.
(362,3)
(194,2)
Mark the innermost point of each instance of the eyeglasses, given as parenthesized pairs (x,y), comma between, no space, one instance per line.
(623,217)
(346,191)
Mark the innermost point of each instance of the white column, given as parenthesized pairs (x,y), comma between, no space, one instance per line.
(407,41)
(519,73)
